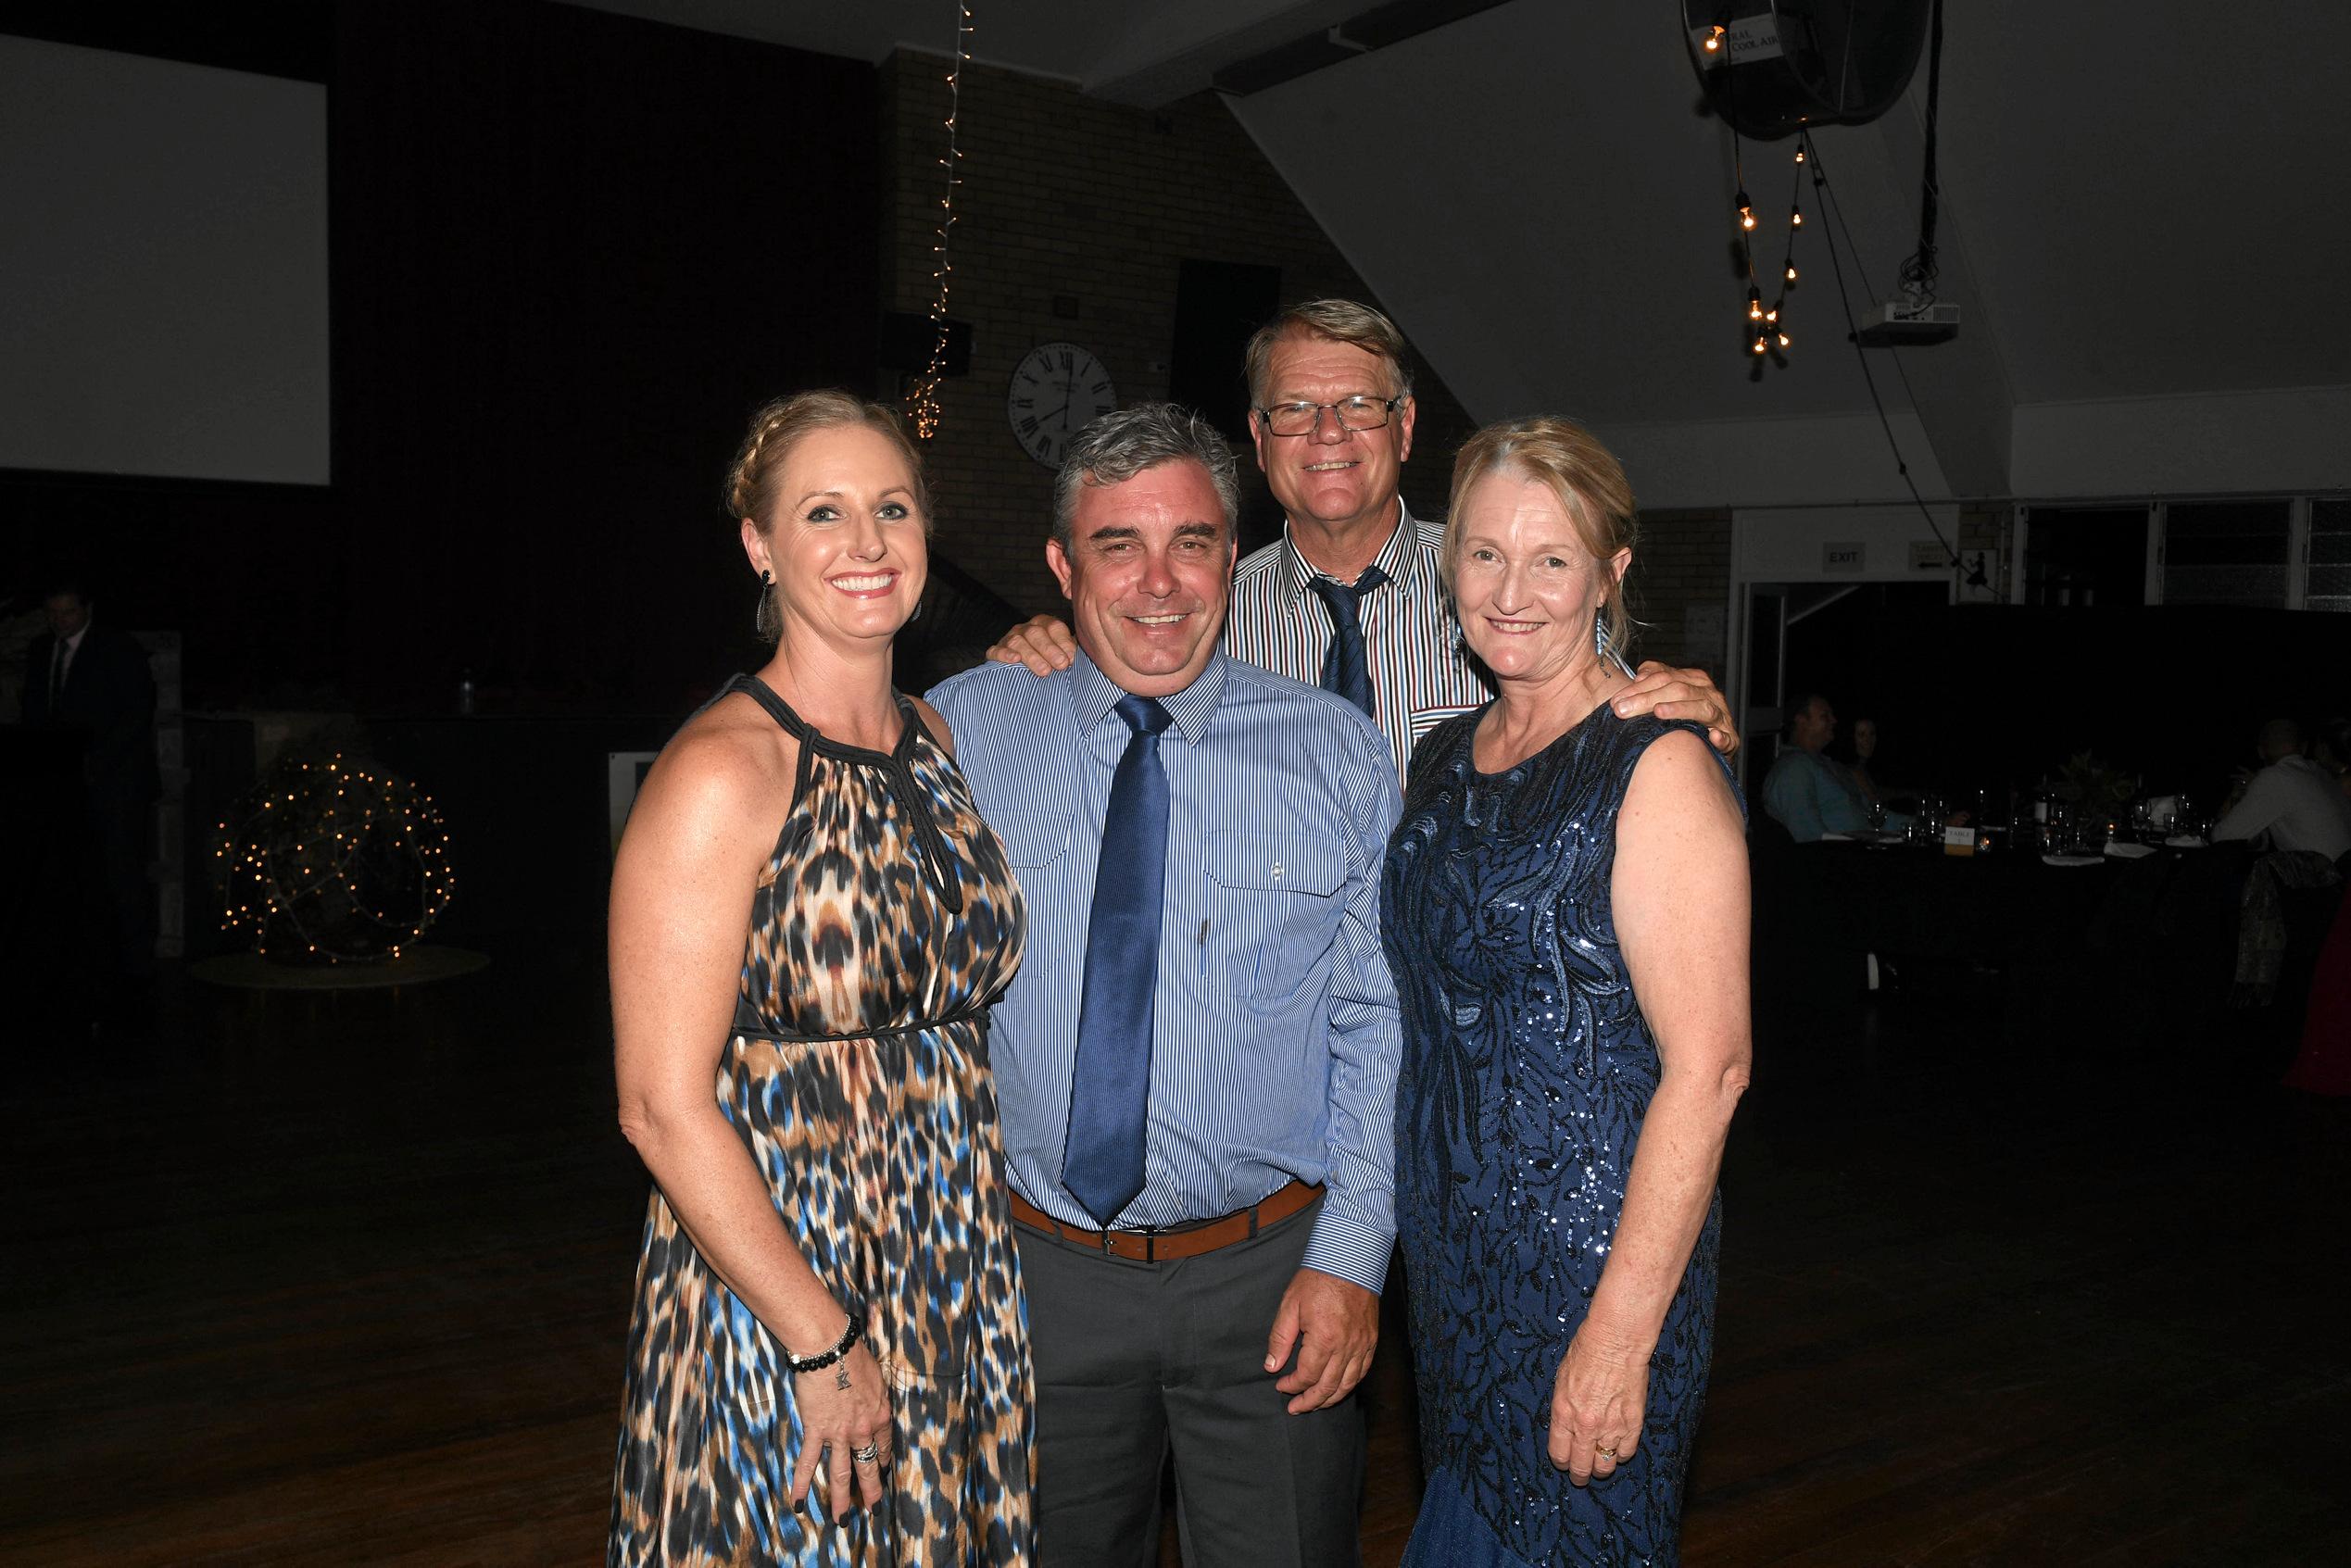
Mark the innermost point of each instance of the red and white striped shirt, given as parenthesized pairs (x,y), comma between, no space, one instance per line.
(1419,675)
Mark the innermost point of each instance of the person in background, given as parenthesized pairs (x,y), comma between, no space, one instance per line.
(1864,746)
(2331,749)
(1566,904)
(94,679)
(1808,792)
(808,919)
(1349,596)
(2291,803)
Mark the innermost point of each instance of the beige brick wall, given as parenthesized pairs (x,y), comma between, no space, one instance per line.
(1066,196)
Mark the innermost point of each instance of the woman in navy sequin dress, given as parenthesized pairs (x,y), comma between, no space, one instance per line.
(1565,910)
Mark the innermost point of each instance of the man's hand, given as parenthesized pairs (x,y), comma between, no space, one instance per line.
(1044,645)
(1675,694)
(1335,1326)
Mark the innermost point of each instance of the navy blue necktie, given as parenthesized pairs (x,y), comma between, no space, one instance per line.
(1102,1163)
(1345,669)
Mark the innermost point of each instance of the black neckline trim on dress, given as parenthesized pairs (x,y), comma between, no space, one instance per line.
(931,850)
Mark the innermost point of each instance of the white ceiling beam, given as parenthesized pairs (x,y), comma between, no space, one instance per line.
(1170,52)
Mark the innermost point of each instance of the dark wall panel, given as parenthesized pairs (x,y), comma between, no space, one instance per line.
(570,251)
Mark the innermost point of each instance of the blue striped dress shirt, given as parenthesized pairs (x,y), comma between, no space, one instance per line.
(1419,675)
(1276,1039)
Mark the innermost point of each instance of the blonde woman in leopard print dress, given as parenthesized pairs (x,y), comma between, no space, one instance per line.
(828,1362)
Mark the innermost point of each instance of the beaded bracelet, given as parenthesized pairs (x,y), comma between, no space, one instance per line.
(850,1336)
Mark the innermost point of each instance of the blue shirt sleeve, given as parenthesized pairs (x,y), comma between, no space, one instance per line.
(1356,1229)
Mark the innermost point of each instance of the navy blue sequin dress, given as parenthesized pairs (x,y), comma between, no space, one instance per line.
(1527,1069)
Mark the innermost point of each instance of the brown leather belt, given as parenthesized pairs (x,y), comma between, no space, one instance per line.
(1186,1241)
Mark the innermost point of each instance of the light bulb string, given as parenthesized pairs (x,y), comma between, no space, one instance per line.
(1766,324)
(924,396)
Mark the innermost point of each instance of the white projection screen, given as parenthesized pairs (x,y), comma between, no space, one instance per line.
(163,267)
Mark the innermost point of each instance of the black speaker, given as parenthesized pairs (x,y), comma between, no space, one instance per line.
(1219,306)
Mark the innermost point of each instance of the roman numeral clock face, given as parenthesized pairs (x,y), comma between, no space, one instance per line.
(1056,392)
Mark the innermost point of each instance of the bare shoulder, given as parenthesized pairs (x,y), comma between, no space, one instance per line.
(935,723)
(727,773)
(1679,774)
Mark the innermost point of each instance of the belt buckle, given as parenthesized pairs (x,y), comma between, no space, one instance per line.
(1108,1239)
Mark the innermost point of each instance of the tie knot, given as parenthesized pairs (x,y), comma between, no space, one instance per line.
(1342,597)
(1143,714)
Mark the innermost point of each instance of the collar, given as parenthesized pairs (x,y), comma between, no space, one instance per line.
(73,644)
(1398,560)
(1092,695)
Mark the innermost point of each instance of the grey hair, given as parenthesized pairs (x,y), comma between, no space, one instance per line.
(1332,321)
(1124,443)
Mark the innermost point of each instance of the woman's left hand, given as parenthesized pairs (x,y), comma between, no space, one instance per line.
(1596,1404)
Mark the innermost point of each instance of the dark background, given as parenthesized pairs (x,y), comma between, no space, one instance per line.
(1997,697)
(567,259)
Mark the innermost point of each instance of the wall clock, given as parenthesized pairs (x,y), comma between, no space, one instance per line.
(1055,392)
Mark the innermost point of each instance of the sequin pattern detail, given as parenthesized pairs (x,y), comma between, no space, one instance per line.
(858,1079)
(1527,1068)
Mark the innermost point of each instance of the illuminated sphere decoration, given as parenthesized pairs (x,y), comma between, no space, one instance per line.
(330,860)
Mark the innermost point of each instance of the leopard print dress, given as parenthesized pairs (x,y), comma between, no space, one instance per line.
(856,1077)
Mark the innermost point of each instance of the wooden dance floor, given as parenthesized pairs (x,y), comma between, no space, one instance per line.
(342,1278)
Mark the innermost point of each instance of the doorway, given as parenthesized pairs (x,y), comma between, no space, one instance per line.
(1830,637)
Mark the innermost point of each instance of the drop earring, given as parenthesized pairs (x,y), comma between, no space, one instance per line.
(1600,632)
(759,612)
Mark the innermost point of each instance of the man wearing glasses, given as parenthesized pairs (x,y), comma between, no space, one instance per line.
(1348,598)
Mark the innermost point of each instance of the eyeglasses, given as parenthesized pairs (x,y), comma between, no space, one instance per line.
(1354,413)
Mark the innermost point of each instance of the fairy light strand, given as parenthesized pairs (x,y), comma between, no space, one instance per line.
(924,395)
(333,863)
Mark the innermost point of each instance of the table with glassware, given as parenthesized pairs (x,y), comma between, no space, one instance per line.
(2082,921)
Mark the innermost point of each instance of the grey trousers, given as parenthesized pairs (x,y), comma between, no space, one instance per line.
(1134,1359)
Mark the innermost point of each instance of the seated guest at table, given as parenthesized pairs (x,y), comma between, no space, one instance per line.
(1809,793)
(1862,752)
(2291,804)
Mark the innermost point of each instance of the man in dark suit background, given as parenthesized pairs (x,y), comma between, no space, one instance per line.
(93,680)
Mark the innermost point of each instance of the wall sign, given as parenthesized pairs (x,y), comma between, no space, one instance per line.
(1849,555)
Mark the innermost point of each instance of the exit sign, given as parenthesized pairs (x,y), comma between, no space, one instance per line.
(1842,558)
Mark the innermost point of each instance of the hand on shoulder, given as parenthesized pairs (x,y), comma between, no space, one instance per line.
(1042,643)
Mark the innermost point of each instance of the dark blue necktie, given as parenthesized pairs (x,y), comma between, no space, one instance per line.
(1345,669)
(1102,1164)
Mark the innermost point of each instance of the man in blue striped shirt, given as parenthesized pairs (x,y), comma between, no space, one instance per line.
(1331,416)
(1227,1310)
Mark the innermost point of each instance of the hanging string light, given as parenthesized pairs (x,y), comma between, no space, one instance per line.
(1764,328)
(924,397)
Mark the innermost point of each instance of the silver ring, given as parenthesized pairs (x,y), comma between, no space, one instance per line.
(870,1454)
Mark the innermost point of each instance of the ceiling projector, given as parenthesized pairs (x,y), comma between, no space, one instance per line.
(1902,323)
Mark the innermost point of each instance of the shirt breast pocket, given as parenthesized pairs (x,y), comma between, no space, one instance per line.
(1273,910)
(1032,840)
